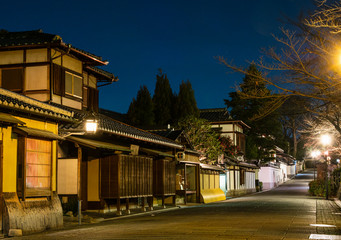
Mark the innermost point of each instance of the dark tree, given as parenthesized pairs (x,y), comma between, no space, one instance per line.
(186,103)
(265,132)
(292,115)
(140,111)
(162,100)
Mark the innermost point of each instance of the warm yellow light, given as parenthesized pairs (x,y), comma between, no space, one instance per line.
(91,126)
(326,139)
(315,153)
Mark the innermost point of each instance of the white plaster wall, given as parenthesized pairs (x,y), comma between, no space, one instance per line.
(291,170)
(284,172)
(269,176)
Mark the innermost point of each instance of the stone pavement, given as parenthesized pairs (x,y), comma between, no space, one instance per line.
(285,213)
(328,212)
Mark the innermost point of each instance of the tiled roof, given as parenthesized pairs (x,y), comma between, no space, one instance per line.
(115,115)
(110,125)
(215,114)
(168,133)
(38,37)
(20,103)
(103,73)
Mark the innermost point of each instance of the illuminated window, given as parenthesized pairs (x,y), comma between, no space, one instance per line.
(73,85)
(34,169)
(38,164)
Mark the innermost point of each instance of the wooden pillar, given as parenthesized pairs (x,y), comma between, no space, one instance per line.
(198,187)
(79,163)
(118,207)
(118,203)
(163,201)
(143,209)
(127,206)
(150,203)
(185,184)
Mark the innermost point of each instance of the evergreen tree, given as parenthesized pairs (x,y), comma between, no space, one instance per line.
(162,100)
(265,132)
(186,103)
(140,111)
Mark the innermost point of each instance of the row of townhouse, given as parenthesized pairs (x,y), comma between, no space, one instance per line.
(56,145)
(48,99)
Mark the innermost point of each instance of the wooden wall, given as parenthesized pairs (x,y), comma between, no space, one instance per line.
(126,176)
(164,177)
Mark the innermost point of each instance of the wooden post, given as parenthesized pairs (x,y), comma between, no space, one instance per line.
(163,201)
(198,189)
(118,207)
(185,184)
(79,183)
(143,204)
(127,206)
(119,186)
(150,203)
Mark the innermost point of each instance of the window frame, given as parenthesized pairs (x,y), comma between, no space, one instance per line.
(22,78)
(22,189)
(73,75)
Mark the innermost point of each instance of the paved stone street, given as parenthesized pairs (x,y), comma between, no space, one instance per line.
(286,212)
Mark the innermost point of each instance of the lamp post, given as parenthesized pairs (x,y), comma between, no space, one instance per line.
(325,141)
(315,154)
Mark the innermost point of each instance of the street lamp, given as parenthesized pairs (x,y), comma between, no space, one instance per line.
(315,154)
(91,126)
(325,141)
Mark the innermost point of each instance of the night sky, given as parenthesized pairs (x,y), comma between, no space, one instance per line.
(180,37)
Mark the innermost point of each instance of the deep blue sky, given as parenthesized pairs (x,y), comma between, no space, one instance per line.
(139,37)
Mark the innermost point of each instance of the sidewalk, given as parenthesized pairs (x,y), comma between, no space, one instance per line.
(93,217)
(328,213)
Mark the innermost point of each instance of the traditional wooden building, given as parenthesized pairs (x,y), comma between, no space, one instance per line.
(240,176)
(196,182)
(187,167)
(122,167)
(28,163)
(115,163)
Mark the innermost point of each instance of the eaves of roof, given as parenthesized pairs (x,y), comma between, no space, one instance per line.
(20,103)
(125,130)
(103,75)
(231,122)
(38,38)
(112,126)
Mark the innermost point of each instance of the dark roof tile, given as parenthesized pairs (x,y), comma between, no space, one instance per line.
(215,114)
(110,125)
(20,103)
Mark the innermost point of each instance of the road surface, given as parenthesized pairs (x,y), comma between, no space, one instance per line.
(287,212)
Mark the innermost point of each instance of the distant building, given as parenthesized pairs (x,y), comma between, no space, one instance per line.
(240,176)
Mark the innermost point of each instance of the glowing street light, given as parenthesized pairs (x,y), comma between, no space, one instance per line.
(315,153)
(91,126)
(326,139)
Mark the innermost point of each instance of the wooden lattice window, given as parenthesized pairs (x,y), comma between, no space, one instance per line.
(73,85)
(34,169)
(12,79)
